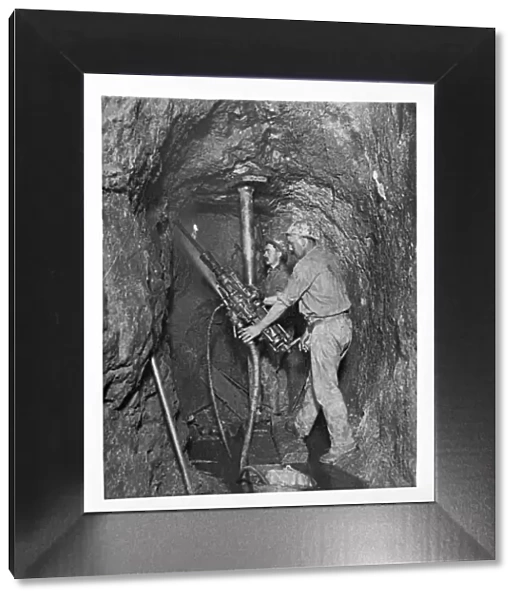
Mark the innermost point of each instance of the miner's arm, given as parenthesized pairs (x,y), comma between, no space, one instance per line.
(299,282)
(249,333)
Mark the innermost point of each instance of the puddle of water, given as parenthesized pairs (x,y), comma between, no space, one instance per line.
(208,454)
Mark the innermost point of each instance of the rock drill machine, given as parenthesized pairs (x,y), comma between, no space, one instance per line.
(243,302)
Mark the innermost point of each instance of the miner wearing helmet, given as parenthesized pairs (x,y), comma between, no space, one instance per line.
(318,284)
(275,255)
(274,381)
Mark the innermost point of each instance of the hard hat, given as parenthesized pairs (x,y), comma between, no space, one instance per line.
(281,245)
(303,229)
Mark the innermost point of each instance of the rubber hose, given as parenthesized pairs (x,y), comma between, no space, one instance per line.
(210,380)
(254,394)
(250,468)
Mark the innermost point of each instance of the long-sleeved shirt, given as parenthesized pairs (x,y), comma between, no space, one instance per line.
(318,283)
(276,280)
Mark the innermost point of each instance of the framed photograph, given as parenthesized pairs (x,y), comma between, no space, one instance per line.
(267,280)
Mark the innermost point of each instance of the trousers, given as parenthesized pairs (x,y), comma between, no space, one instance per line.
(329,342)
(274,384)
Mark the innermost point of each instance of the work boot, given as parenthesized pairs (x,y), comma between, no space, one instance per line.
(337,452)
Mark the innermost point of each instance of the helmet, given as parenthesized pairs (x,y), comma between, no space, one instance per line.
(303,229)
(279,245)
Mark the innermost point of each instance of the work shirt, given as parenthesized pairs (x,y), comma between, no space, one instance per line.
(318,283)
(276,280)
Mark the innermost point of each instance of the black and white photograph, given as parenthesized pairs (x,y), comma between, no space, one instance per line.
(259,297)
(252,298)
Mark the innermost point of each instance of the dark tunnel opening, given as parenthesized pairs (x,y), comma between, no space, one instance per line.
(350,170)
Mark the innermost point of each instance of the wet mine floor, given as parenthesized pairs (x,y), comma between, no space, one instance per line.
(209,455)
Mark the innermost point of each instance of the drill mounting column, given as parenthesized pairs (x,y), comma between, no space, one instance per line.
(246,190)
(245,187)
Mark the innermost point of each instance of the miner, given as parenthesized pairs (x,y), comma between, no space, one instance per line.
(318,284)
(273,376)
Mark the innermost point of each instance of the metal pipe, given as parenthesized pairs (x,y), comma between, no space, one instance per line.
(194,251)
(171,426)
(246,231)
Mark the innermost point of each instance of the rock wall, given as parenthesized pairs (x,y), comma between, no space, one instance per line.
(350,168)
(191,311)
(137,254)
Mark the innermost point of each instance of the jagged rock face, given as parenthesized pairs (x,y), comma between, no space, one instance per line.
(137,244)
(191,309)
(350,168)
(137,251)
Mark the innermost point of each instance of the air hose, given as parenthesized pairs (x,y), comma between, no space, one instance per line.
(251,469)
(254,394)
(210,381)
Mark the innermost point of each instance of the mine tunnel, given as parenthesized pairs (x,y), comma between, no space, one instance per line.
(347,168)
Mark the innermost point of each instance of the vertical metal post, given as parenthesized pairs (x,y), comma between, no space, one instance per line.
(247,223)
(247,240)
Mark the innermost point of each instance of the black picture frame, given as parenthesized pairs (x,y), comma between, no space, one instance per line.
(49,533)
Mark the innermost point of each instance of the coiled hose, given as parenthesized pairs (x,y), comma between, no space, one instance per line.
(259,474)
(210,380)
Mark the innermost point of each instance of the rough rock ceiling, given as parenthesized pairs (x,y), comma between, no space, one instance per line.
(351,168)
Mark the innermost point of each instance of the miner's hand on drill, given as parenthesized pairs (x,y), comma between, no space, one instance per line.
(247,334)
(304,342)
